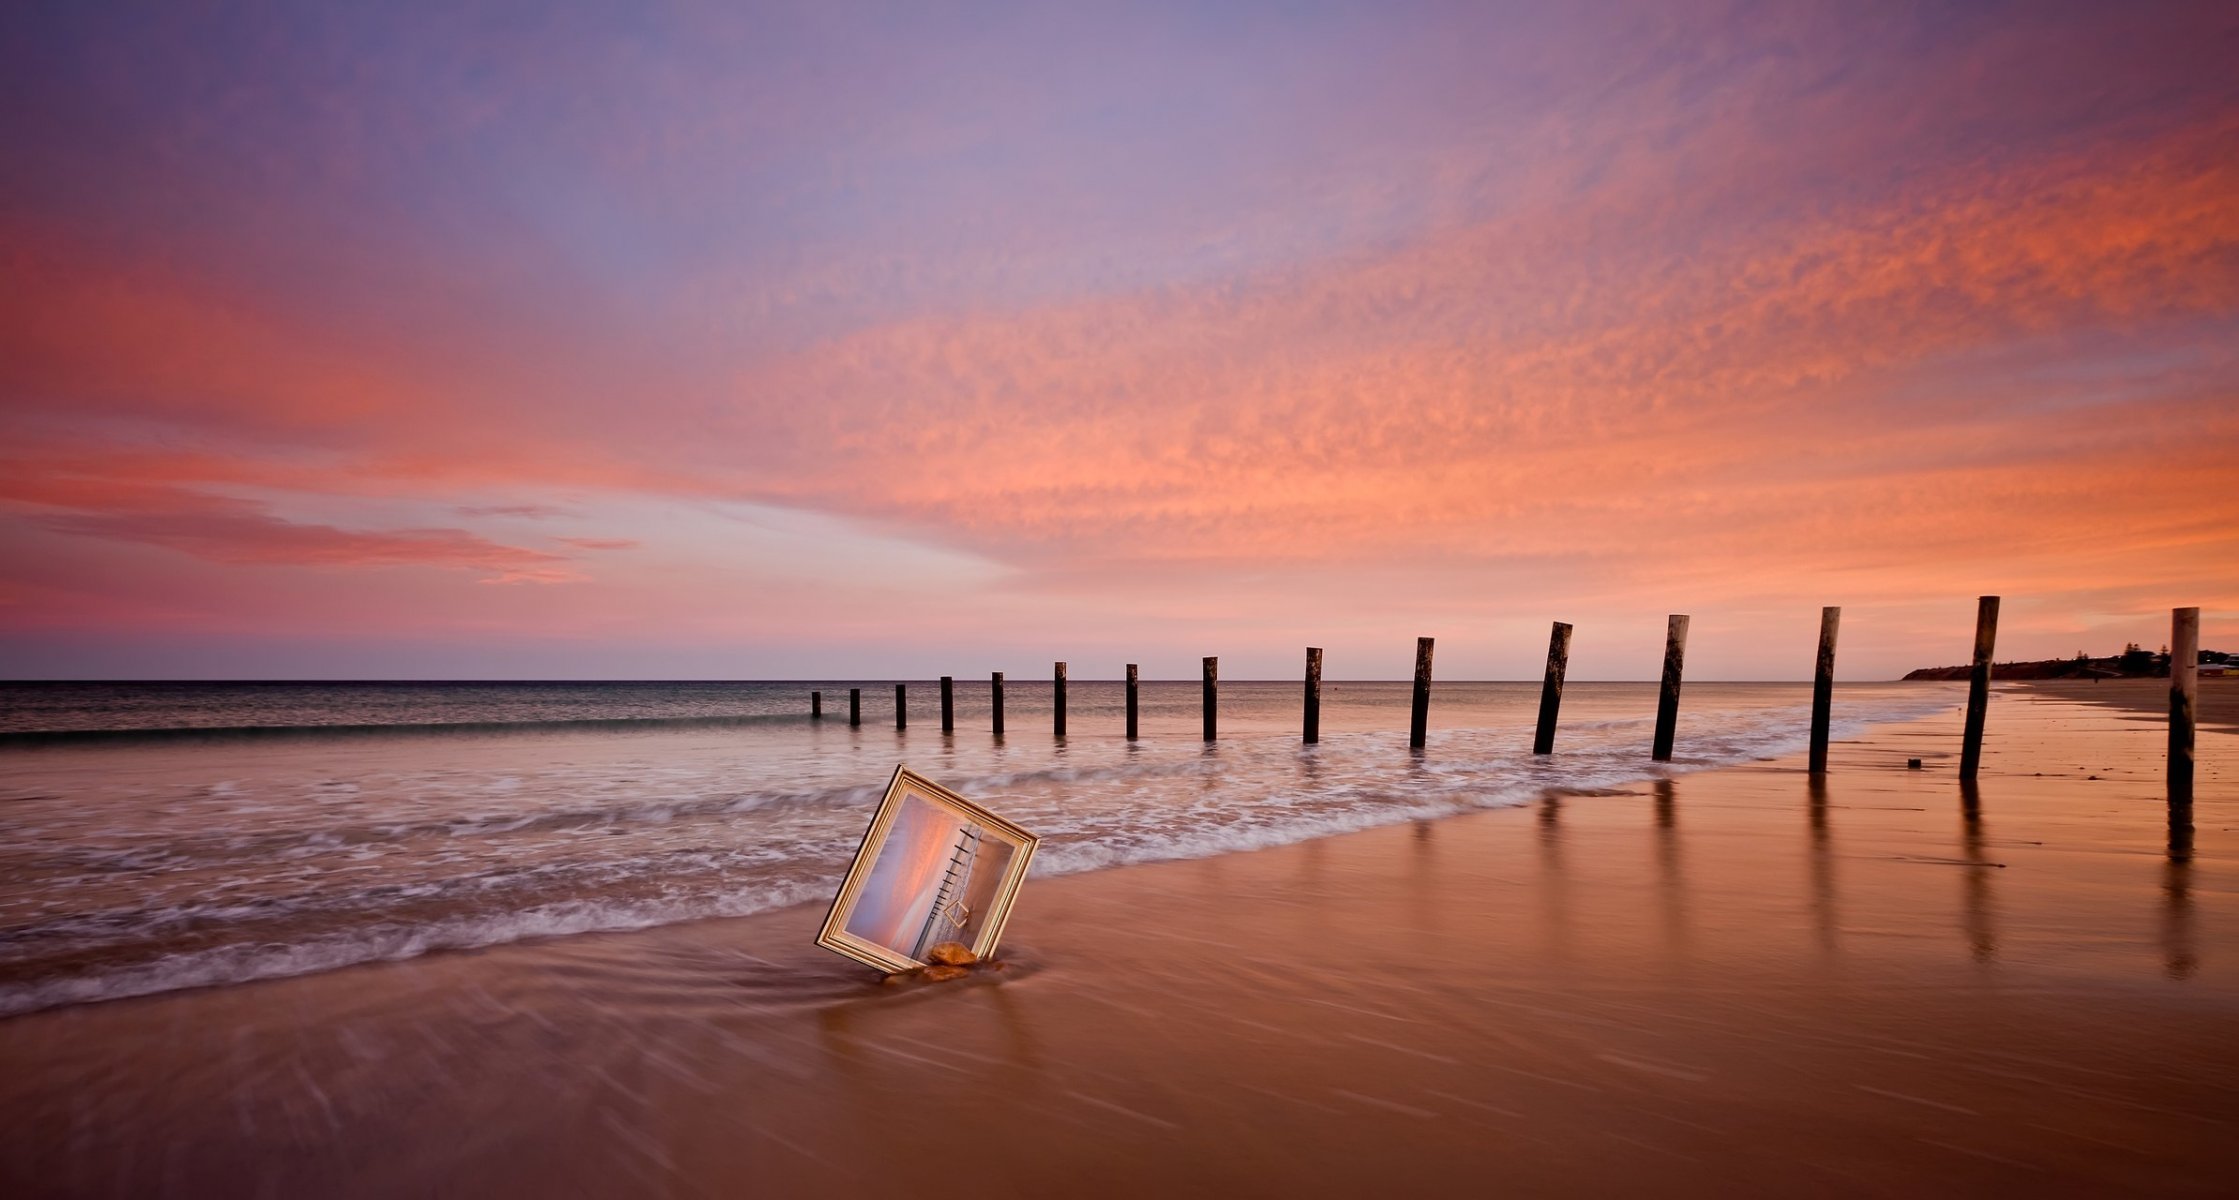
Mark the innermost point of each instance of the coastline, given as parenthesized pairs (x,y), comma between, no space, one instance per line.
(1729,981)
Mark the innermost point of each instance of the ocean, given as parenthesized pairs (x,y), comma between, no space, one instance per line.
(156,836)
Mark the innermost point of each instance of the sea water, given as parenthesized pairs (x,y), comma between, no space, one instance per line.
(160,836)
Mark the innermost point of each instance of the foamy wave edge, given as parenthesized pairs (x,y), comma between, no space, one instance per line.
(227,965)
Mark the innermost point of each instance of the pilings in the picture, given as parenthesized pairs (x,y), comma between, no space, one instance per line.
(2184,704)
(1823,688)
(1418,721)
(948,704)
(1133,677)
(1057,717)
(855,706)
(1978,686)
(1212,696)
(1667,700)
(901,706)
(816,706)
(1551,691)
(1313,720)
(995,692)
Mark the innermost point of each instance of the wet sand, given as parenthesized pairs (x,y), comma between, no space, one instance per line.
(1729,983)
(2149,698)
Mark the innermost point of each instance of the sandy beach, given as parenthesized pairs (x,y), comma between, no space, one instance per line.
(1731,982)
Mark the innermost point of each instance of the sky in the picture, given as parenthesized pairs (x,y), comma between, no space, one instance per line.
(826,340)
(904,879)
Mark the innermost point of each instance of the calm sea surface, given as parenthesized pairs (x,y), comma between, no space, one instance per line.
(157,836)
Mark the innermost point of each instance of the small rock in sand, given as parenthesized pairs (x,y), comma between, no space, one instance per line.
(952,954)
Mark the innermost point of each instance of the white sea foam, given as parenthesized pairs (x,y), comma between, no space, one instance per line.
(200,866)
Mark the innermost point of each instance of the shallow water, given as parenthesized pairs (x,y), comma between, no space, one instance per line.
(157,836)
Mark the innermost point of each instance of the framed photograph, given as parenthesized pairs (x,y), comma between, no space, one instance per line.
(934,867)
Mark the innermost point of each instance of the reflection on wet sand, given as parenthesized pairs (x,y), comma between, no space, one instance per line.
(1979,918)
(1821,858)
(1671,886)
(2180,951)
(1554,890)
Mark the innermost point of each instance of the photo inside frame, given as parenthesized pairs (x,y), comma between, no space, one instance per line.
(937,877)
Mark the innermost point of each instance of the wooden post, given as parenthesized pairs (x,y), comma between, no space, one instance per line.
(855,706)
(2184,703)
(1551,691)
(948,704)
(1978,686)
(1667,701)
(1058,714)
(1212,695)
(901,707)
(1419,723)
(816,706)
(1823,688)
(1313,694)
(995,688)
(1131,681)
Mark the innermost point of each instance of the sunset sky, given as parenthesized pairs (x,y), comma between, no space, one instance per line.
(827,340)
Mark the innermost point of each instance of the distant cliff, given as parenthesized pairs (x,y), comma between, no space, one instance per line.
(2132,663)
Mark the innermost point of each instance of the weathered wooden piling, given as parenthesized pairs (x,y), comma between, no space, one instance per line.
(1551,690)
(1978,686)
(855,706)
(1212,696)
(948,704)
(901,706)
(2184,703)
(1313,694)
(1418,722)
(1667,700)
(1823,688)
(1131,682)
(816,706)
(995,689)
(1057,718)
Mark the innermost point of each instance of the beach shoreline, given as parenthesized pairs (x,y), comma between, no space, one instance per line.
(1733,981)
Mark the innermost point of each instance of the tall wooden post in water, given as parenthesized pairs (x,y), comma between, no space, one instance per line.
(1212,696)
(948,704)
(1667,699)
(1551,691)
(2184,706)
(1418,723)
(1313,694)
(995,687)
(1057,718)
(1132,675)
(1978,687)
(816,706)
(1823,688)
(901,706)
(855,706)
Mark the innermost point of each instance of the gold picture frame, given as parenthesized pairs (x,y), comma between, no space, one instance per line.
(933,867)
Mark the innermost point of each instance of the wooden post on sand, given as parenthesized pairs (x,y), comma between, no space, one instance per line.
(816,706)
(1418,723)
(1057,720)
(1212,696)
(1132,675)
(1978,687)
(995,685)
(1823,688)
(2184,705)
(1551,691)
(1667,700)
(855,706)
(1313,694)
(948,704)
(901,706)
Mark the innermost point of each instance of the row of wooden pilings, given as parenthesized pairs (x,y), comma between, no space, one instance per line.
(2184,655)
